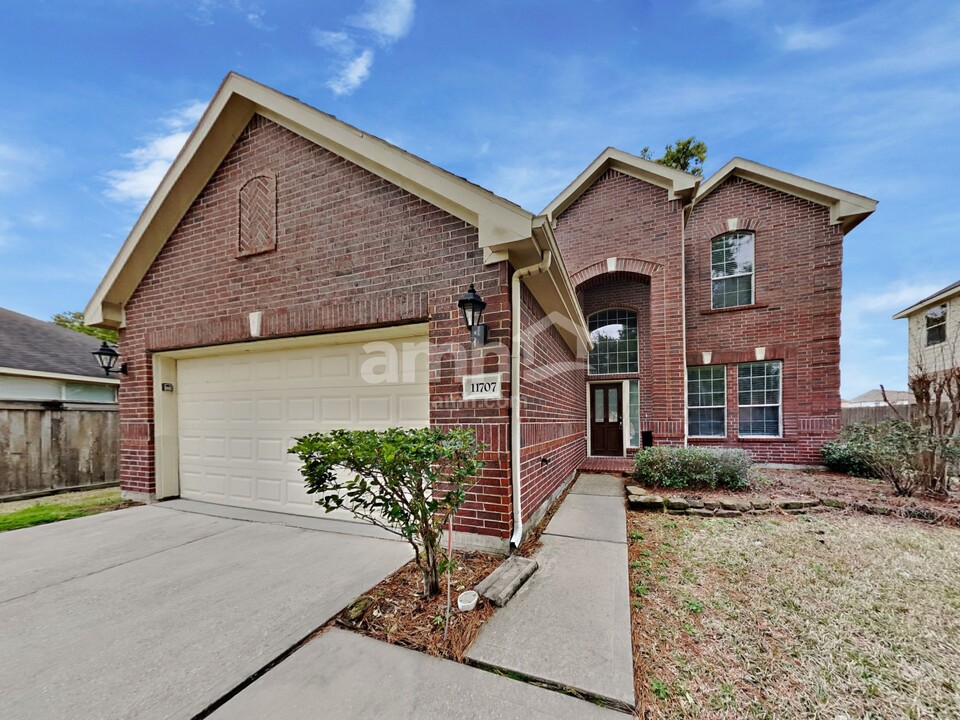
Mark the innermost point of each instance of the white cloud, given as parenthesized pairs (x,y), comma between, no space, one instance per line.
(337,42)
(800,38)
(389,20)
(386,20)
(204,10)
(352,75)
(151,160)
(899,295)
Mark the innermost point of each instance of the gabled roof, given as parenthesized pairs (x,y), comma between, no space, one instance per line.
(33,346)
(505,230)
(679,185)
(938,297)
(846,208)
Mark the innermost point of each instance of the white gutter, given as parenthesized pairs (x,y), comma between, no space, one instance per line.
(683,308)
(515,304)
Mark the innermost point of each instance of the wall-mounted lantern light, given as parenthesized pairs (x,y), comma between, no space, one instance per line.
(107,360)
(471,307)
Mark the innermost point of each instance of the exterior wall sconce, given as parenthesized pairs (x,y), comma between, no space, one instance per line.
(471,307)
(107,360)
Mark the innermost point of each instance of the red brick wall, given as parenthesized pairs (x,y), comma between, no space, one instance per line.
(552,407)
(352,251)
(620,216)
(796,318)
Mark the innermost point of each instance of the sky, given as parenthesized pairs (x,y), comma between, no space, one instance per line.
(515,95)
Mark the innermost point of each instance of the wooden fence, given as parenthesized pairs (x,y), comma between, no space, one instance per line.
(47,447)
(850,415)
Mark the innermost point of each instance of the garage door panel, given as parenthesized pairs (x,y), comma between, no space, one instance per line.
(239,414)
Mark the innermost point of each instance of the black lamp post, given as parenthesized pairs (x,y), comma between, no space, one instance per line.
(107,360)
(471,307)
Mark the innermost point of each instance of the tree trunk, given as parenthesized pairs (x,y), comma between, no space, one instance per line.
(431,573)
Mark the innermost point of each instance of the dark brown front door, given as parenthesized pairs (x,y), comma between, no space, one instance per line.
(606,419)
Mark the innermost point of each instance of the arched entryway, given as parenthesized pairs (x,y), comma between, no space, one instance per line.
(615,298)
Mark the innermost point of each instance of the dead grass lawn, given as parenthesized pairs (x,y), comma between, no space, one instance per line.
(837,616)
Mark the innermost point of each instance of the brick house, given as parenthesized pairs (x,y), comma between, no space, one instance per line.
(293,274)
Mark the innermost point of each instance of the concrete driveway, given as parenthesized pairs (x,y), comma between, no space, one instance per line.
(154,612)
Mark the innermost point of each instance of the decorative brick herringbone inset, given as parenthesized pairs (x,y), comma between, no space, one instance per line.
(258,215)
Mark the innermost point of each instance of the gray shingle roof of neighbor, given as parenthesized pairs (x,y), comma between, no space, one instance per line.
(875,395)
(920,303)
(27,343)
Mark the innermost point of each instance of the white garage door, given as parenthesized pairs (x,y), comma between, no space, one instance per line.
(238,414)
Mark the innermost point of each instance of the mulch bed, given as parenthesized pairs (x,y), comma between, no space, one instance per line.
(394,611)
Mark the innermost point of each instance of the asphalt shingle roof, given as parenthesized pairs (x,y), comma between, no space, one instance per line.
(30,344)
(941,291)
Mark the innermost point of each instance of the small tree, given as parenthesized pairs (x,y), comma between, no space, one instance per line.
(406,481)
(936,416)
(687,155)
(73,320)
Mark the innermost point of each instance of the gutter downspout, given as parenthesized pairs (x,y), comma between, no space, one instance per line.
(544,265)
(683,308)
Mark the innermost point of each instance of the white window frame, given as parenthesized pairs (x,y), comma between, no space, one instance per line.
(942,323)
(752,273)
(779,400)
(705,407)
(636,316)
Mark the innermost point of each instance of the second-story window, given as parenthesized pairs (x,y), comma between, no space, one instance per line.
(936,325)
(614,335)
(731,270)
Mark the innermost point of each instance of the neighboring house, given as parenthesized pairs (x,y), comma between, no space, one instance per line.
(58,412)
(293,274)
(933,331)
(874,398)
(43,362)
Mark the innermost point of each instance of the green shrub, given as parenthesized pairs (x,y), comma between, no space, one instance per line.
(692,467)
(406,481)
(900,452)
(843,456)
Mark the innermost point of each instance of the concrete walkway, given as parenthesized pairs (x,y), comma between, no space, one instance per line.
(570,624)
(347,676)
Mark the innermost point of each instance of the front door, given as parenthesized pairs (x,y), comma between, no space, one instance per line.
(606,419)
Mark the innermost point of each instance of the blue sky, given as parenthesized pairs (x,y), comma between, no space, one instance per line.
(518,96)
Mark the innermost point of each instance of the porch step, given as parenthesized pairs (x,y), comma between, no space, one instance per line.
(621,465)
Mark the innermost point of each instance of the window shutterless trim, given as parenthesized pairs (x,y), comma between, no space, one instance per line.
(752,273)
(779,404)
(690,406)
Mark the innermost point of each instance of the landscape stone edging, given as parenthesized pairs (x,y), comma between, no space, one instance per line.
(640,499)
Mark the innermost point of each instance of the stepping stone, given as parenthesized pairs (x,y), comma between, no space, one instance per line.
(501,585)
(796,504)
(738,505)
(676,503)
(645,502)
(761,504)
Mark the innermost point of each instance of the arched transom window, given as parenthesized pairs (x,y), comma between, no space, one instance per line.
(614,335)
